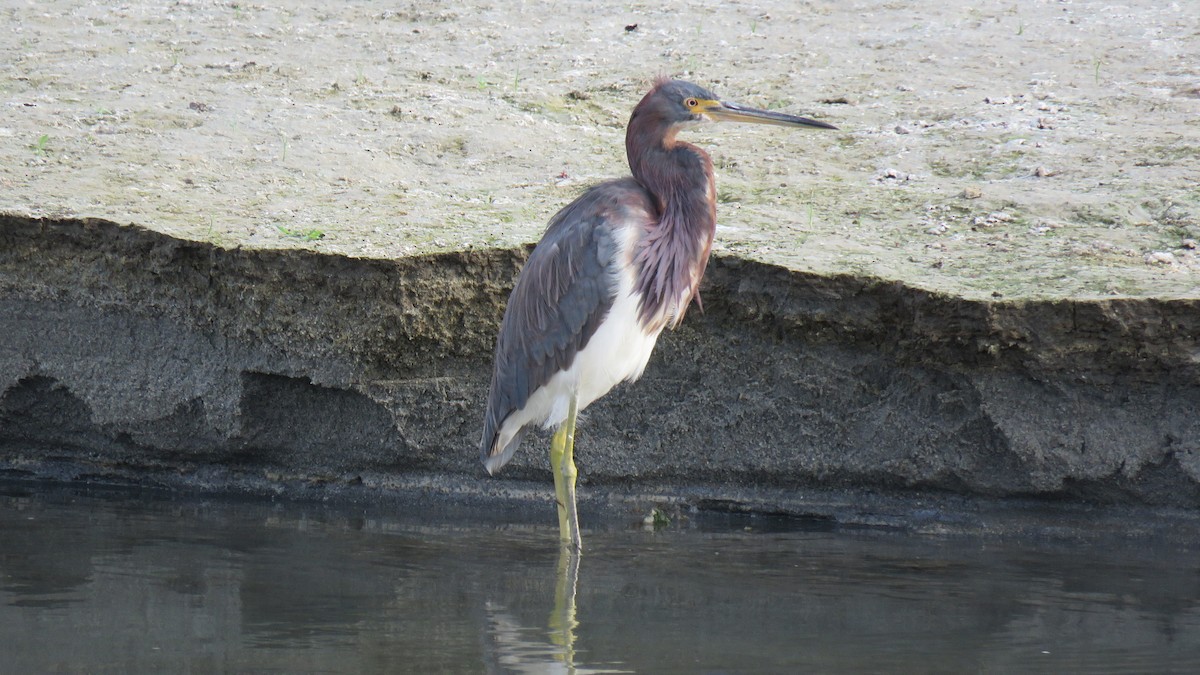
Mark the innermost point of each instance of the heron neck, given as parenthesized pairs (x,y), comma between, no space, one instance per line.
(674,252)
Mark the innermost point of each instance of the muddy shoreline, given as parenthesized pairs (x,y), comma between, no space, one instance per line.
(131,353)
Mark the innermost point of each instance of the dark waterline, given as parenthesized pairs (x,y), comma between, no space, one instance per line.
(129,583)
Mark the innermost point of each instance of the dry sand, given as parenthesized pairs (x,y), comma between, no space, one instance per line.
(993,149)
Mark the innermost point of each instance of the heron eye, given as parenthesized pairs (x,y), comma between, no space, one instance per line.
(691,103)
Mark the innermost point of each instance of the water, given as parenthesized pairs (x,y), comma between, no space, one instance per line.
(124,583)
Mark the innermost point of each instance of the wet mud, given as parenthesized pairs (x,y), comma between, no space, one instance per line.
(133,356)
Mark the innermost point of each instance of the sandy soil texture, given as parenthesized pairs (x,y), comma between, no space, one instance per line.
(1008,149)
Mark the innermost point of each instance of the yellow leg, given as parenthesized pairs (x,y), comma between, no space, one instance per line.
(562,463)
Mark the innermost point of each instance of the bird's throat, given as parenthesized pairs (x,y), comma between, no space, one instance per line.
(673,252)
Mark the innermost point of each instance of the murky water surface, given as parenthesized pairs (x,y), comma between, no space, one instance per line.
(135,583)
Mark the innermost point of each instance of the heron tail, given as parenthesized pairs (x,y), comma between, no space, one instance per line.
(495,455)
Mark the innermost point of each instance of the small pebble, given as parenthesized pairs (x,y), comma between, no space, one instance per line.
(992,219)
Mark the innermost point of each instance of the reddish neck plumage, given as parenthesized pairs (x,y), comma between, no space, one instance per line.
(673,253)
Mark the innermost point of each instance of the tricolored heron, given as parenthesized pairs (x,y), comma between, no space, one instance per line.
(613,269)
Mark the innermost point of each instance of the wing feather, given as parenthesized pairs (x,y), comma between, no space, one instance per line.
(560,299)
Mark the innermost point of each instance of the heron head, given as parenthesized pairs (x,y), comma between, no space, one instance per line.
(677,103)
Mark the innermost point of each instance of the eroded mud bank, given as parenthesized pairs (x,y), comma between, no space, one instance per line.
(126,352)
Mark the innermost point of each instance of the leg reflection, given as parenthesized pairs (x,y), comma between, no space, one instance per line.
(562,618)
(517,648)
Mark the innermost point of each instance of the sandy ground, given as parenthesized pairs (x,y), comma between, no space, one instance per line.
(994,149)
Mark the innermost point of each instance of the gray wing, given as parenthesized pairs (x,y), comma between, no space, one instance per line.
(562,295)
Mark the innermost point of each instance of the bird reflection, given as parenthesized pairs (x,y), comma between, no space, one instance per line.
(562,619)
(520,649)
